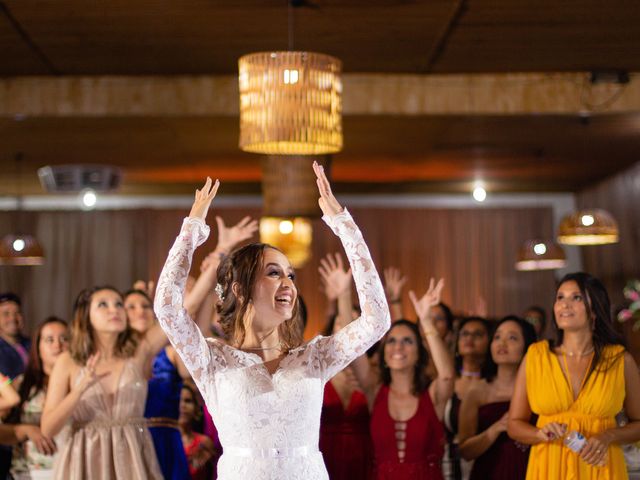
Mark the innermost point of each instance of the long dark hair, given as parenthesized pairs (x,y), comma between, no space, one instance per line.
(484,370)
(420,377)
(598,306)
(34,380)
(528,335)
(448,315)
(242,267)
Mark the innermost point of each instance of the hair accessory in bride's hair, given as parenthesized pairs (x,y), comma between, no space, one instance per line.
(220,291)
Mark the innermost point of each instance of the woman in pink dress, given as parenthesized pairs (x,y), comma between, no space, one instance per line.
(99,387)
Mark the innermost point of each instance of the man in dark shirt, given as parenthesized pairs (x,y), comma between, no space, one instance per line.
(14,347)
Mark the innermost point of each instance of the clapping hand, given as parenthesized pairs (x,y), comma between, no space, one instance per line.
(203,199)
(328,203)
(334,276)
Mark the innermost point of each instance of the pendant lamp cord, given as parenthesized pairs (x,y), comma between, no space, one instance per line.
(290,24)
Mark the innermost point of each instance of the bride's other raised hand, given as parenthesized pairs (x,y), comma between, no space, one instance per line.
(203,199)
(328,203)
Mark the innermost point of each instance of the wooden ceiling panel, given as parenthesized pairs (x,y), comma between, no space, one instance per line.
(16,55)
(388,153)
(196,37)
(512,36)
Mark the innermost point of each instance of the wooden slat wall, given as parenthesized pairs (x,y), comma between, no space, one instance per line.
(618,263)
(474,249)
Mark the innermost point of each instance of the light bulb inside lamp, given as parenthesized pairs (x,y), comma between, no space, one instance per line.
(540,249)
(285,227)
(18,244)
(587,220)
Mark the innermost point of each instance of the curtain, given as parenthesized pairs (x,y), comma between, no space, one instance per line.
(474,249)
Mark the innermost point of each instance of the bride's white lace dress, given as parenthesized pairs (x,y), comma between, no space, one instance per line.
(269,424)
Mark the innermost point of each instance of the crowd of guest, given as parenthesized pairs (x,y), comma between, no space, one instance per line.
(104,395)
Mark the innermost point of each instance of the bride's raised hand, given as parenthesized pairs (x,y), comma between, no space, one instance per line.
(203,199)
(328,203)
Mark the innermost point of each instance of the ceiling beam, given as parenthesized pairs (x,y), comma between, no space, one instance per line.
(364,94)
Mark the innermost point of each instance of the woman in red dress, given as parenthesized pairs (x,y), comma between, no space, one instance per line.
(406,411)
(345,442)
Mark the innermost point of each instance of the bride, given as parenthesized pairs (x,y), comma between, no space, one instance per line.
(265,388)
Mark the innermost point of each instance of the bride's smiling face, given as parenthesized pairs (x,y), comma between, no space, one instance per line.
(274,292)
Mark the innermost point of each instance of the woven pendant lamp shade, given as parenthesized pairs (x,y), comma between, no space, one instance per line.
(290,103)
(540,255)
(289,185)
(20,250)
(588,227)
(290,200)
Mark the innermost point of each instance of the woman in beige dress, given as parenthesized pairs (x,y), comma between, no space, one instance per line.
(99,387)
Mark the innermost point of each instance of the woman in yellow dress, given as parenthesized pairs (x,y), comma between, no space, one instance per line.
(579,384)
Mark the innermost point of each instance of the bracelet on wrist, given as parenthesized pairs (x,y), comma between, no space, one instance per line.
(395,300)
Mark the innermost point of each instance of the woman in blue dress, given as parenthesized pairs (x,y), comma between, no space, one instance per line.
(163,396)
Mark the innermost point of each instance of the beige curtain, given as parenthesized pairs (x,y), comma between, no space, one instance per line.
(473,249)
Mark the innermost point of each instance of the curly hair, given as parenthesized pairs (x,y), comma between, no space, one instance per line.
(83,343)
(241,268)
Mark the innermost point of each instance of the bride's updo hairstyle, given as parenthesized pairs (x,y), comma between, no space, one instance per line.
(241,267)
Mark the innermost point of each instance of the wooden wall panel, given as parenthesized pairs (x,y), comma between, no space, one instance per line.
(473,249)
(618,263)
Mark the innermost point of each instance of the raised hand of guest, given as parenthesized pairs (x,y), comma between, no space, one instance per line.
(333,274)
(146,287)
(394,283)
(328,203)
(423,304)
(441,388)
(229,237)
(203,199)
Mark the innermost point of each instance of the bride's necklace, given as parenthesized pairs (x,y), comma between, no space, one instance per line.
(466,373)
(262,349)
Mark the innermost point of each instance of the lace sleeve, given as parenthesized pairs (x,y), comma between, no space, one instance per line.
(337,351)
(182,331)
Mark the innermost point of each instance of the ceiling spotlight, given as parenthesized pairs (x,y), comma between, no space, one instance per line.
(89,199)
(479,194)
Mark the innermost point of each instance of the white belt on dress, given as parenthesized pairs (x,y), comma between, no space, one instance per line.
(249,452)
